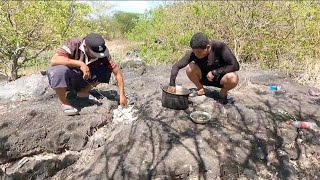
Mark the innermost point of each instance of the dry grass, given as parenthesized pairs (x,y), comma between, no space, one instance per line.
(245,79)
(121,46)
(311,73)
(305,73)
(118,48)
(26,71)
(243,85)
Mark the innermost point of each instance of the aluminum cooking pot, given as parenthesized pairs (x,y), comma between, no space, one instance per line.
(178,100)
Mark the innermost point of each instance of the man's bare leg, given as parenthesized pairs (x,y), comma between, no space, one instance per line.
(229,81)
(61,93)
(194,74)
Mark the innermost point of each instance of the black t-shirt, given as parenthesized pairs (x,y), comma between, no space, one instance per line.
(220,61)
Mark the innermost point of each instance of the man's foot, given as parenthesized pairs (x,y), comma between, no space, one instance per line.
(224,100)
(69,110)
(200,92)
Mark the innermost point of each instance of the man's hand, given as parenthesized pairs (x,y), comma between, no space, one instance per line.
(123,101)
(210,76)
(172,89)
(86,71)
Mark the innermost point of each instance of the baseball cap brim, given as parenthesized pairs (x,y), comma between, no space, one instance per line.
(100,54)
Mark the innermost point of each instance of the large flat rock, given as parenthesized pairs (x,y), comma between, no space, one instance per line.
(248,139)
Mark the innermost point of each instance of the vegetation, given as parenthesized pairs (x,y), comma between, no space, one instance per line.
(274,34)
(28,28)
(31,30)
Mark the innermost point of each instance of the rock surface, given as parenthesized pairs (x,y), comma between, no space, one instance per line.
(24,88)
(248,139)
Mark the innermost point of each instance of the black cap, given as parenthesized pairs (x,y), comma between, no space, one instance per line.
(96,45)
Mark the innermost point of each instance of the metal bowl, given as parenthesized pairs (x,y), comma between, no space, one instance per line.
(200,117)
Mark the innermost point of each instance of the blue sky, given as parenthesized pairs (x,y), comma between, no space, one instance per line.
(128,6)
(135,6)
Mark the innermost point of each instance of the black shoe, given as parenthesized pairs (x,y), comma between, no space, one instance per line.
(225,100)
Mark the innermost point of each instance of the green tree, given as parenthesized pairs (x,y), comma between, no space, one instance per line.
(102,21)
(27,28)
(126,20)
(114,25)
(278,35)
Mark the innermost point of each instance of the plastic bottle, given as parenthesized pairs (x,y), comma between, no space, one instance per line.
(274,88)
(303,124)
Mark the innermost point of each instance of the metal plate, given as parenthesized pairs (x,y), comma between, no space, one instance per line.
(200,117)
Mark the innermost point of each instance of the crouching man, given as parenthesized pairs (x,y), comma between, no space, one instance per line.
(210,63)
(79,65)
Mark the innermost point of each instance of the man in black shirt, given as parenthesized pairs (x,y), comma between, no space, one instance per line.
(210,63)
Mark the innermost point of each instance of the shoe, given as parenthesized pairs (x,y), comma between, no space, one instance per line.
(69,110)
(225,100)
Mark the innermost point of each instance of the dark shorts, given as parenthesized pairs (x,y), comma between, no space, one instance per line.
(72,78)
(215,82)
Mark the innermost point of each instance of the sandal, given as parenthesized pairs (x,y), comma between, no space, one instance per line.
(69,110)
(91,99)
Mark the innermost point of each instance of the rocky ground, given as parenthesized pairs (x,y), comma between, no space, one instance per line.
(248,139)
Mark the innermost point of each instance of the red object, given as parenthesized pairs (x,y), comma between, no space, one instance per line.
(303,124)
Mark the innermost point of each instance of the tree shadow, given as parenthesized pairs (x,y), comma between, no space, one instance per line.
(80,103)
(249,141)
(111,95)
(159,137)
(4,146)
(274,141)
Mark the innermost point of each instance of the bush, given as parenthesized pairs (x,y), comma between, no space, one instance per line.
(276,35)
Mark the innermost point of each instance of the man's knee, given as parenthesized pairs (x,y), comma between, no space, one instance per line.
(59,70)
(193,68)
(231,78)
(57,76)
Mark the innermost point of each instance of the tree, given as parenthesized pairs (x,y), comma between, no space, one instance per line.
(101,19)
(126,20)
(27,28)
